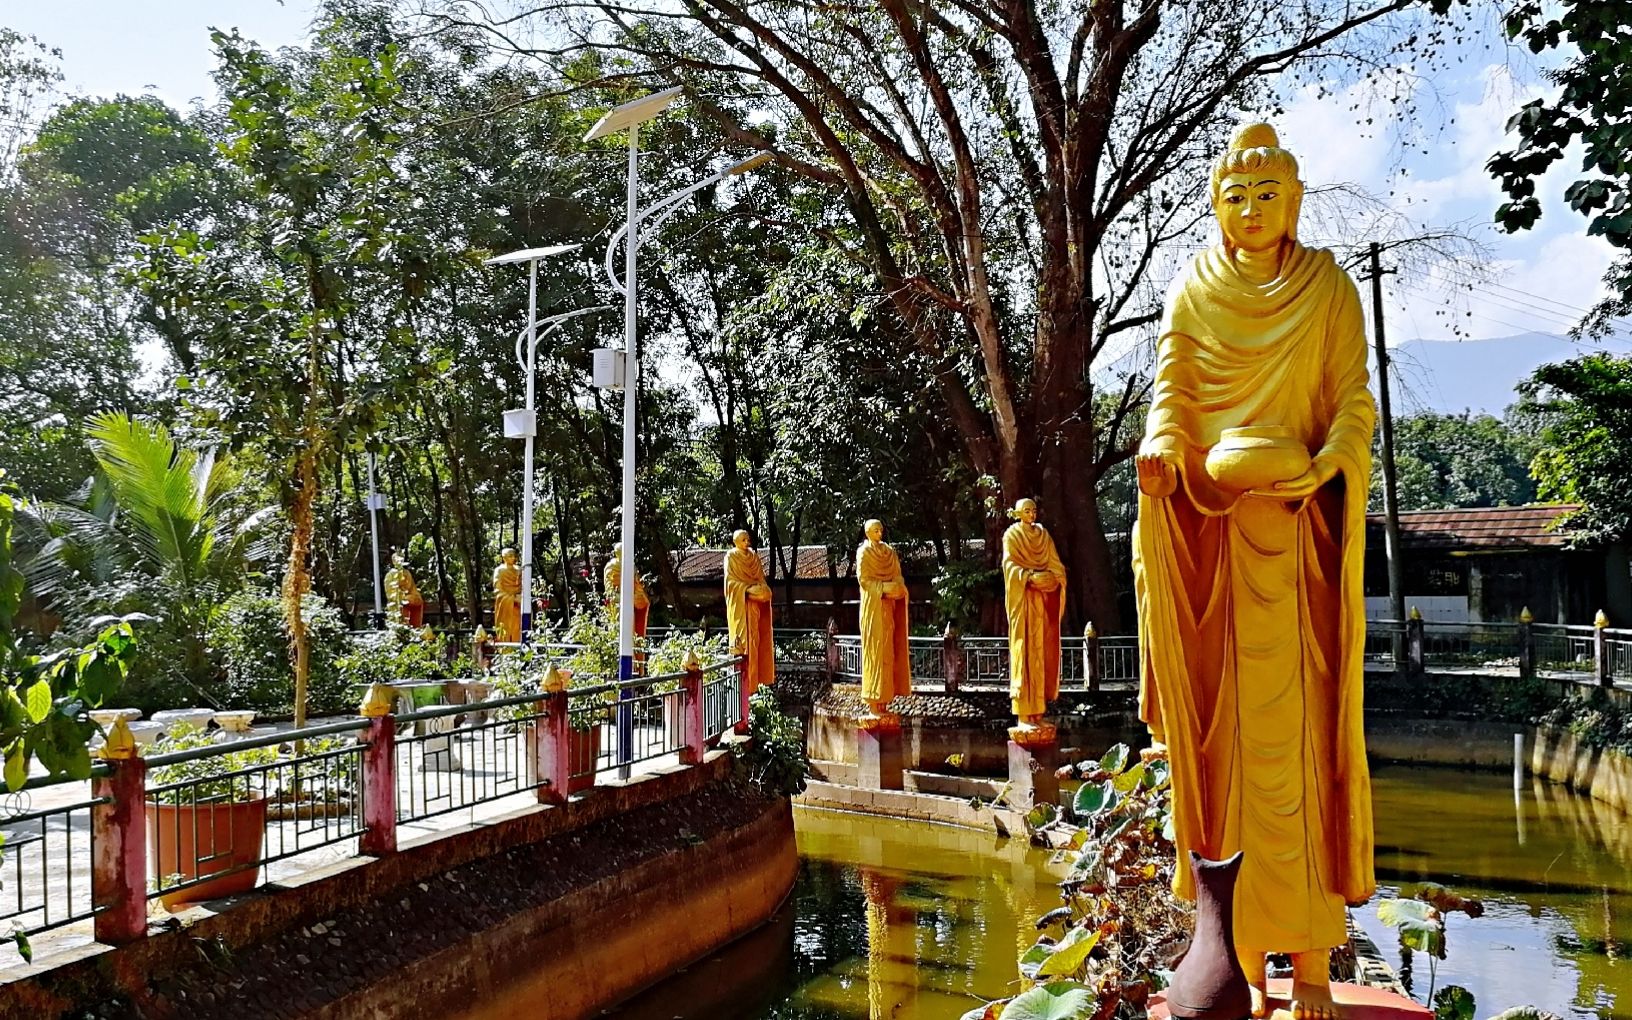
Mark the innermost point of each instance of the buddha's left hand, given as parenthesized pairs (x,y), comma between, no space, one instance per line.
(1303,486)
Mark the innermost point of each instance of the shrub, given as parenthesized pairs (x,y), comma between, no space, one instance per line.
(774,760)
(252,642)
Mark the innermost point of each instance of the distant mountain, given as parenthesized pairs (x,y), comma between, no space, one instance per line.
(1451,376)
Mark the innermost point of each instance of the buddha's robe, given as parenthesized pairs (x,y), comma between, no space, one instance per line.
(613,579)
(507,602)
(749,620)
(403,599)
(1034,616)
(886,661)
(1251,616)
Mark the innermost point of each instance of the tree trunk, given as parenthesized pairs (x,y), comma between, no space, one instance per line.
(297,579)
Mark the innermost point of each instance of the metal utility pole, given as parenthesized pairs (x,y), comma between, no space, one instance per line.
(1391,500)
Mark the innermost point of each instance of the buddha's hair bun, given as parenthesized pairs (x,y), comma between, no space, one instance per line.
(1254,136)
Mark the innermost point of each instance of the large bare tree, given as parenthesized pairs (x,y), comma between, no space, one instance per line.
(1011,171)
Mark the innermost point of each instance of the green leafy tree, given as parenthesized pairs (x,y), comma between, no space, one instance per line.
(1458,460)
(1590,107)
(1582,410)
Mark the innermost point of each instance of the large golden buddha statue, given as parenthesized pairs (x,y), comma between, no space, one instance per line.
(1034,601)
(886,656)
(1253,477)
(748,611)
(613,579)
(507,597)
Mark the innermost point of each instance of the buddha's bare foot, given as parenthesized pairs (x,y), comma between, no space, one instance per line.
(1313,1002)
(1260,1002)
(1312,986)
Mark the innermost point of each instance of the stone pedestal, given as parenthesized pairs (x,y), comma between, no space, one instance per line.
(1354,1002)
(878,752)
(1034,753)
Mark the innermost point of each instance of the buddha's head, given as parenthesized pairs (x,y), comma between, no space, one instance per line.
(508,555)
(741,539)
(1025,511)
(617,552)
(874,530)
(1256,191)
(398,561)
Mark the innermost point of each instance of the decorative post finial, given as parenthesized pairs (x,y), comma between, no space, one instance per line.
(377,702)
(1600,621)
(554,682)
(691,665)
(1525,617)
(1088,630)
(1416,614)
(121,743)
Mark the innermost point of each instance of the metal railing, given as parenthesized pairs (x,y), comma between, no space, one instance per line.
(619,725)
(985,661)
(225,822)
(54,845)
(441,768)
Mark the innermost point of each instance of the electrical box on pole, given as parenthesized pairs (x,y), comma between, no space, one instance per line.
(609,368)
(520,424)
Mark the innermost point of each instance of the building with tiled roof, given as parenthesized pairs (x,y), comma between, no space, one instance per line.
(1490,563)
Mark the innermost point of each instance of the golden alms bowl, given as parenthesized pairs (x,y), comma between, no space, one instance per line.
(1256,457)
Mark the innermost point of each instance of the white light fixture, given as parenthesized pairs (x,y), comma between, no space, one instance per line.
(633,113)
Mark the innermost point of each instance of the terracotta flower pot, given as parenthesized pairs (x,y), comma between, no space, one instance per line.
(207,839)
(583,748)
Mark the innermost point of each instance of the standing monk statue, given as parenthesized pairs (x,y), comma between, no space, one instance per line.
(748,611)
(1253,477)
(886,662)
(402,595)
(613,577)
(1034,599)
(507,597)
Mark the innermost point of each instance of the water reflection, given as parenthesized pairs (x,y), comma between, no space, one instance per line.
(1552,867)
(904,920)
(889,921)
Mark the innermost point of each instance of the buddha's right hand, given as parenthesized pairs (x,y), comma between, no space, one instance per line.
(1158,473)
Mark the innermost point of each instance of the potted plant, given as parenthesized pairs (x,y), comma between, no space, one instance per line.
(212,825)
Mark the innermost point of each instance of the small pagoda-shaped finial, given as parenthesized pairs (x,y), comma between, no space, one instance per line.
(1601,620)
(1416,614)
(377,702)
(554,681)
(121,743)
(1525,617)
(692,664)
(1088,631)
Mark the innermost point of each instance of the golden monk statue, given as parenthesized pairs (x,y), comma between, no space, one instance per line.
(748,611)
(1253,477)
(613,577)
(507,597)
(1034,599)
(886,662)
(402,596)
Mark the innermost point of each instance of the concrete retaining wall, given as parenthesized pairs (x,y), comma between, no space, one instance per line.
(1605,775)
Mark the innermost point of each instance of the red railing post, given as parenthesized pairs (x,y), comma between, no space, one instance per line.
(742,694)
(694,731)
(1600,650)
(119,841)
(1527,645)
(832,650)
(1415,655)
(1090,656)
(552,743)
(953,665)
(379,837)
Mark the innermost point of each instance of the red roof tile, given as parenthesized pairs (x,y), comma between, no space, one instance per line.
(1536,525)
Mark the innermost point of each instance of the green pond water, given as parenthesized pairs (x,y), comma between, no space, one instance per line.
(906,920)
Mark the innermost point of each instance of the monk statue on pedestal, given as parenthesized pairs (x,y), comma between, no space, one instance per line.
(748,611)
(1253,477)
(886,662)
(1034,600)
(402,597)
(507,597)
(613,578)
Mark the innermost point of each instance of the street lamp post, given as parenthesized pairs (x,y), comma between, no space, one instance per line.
(376,503)
(523,424)
(629,117)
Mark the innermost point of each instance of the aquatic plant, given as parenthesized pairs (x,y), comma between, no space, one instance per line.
(1120,928)
(1420,921)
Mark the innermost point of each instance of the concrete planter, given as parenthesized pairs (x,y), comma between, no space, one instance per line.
(195,841)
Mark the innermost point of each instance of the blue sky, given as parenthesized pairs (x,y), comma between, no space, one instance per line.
(1548,277)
